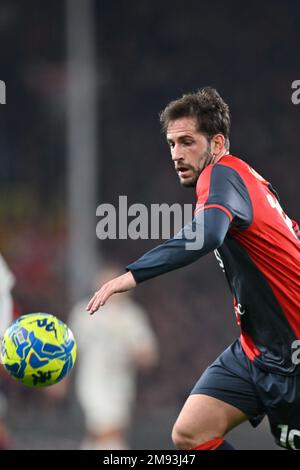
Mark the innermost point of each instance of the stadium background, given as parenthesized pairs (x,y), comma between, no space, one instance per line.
(146,54)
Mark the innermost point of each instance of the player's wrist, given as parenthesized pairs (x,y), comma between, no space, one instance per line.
(130,281)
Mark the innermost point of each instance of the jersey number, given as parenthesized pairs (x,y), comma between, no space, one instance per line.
(275,205)
(287,436)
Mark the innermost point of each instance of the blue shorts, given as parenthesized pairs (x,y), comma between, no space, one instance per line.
(234,379)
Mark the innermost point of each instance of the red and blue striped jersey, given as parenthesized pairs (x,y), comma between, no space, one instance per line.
(261,258)
(257,245)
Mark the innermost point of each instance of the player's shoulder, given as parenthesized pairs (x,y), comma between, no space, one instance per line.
(231,161)
(227,167)
(245,171)
(227,161)
(230,171)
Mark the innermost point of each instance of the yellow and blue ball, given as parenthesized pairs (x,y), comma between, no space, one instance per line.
(38,350)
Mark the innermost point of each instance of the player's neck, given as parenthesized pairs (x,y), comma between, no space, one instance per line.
(218,157)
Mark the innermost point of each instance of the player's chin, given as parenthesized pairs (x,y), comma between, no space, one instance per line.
(188,182)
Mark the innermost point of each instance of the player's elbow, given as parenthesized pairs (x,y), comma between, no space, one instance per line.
(215,240)
(216,225)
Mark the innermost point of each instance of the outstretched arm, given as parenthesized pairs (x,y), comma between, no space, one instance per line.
(227,200)
(172,254)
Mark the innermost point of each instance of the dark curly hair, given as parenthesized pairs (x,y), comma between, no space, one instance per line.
(206,106)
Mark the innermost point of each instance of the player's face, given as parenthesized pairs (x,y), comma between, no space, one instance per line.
(190,150)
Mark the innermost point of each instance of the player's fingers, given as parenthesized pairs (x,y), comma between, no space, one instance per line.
(94,304)
(93,299)
(99,299)
(105,294)
(101,296)
(89,305)
(91,302)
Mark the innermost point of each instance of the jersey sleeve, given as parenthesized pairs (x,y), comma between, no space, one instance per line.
(223,188)
(222,201)
(204,234)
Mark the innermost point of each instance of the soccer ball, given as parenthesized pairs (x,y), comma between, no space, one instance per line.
(38,350)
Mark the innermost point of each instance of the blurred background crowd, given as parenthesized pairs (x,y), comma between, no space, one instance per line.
(146,53)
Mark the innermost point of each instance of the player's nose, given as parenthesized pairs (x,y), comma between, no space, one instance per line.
(176,153)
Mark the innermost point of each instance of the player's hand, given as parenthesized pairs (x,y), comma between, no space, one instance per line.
(119,284)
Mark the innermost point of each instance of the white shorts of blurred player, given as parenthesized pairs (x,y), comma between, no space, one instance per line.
(105,406)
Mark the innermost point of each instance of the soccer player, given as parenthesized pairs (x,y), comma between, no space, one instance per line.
(7,281)
(258,248)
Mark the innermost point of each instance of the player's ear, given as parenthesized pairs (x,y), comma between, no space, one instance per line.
(217,143)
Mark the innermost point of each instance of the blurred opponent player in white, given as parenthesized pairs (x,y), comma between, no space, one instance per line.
(110,350)
(7,281)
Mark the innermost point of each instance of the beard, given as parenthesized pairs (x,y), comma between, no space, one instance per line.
(191,181)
